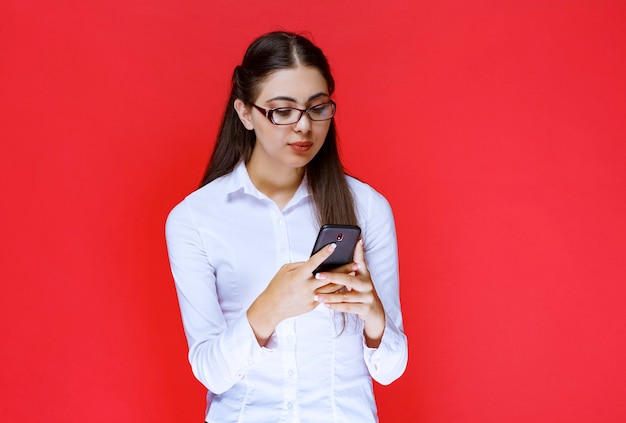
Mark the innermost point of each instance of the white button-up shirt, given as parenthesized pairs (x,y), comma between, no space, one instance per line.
(226,241)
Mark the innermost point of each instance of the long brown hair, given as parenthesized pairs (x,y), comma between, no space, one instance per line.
(325,174)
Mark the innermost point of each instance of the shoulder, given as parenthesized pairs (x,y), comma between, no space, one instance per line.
(200,202)
(366,196)
(372,208)
(376,220)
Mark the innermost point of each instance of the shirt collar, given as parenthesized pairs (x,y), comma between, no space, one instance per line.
(239,182)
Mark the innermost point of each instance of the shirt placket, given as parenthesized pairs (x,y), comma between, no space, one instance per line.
(282,240)
(287,339)
(285,331)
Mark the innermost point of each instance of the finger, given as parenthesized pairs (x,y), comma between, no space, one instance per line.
(359,256)
(329,288)
(348,280)
(342,297)
(316,259)
(346,268)
(352,308)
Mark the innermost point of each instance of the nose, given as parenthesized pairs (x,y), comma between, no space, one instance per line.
(304,124)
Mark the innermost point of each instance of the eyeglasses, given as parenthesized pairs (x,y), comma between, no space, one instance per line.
(291,115)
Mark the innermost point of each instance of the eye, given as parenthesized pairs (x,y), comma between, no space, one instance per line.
(282,112)
(321,110)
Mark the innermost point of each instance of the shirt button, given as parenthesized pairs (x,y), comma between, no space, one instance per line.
(280,222)
(289,338)
(289,405)
(290,373)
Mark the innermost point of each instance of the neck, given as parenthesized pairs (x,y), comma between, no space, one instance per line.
(279,184)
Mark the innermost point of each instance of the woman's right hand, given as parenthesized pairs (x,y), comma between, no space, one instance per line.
(291,292)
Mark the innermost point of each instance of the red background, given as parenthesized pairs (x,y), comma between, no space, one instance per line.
(495,128)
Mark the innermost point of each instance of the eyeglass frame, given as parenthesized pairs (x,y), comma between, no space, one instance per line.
(269,113)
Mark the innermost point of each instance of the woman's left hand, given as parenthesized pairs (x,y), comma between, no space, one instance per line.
(359,296)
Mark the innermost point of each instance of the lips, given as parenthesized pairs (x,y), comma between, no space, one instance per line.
(301,146)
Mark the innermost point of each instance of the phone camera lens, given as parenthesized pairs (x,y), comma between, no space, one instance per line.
(339,237)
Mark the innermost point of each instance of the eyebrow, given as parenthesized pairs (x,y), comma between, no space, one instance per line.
(293,100)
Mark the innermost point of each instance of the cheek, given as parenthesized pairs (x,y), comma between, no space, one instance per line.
(324,131)
(272,133)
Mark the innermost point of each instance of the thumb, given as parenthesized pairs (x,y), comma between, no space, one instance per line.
(359,256)
(319,257)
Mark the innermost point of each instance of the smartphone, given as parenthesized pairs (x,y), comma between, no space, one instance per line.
(345,236)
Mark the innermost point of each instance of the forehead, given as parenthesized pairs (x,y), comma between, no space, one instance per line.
(299,83)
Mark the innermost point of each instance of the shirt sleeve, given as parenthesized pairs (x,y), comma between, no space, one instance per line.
(219,353)
(388,361)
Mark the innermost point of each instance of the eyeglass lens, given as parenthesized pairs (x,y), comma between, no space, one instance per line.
(289,115)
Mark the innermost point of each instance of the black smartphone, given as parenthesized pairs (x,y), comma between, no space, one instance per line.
(345,236)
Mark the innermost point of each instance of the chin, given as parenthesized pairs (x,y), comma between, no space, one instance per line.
(300,162)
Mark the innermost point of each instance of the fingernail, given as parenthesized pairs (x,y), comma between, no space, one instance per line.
(320,276)
(316,298)
(331,247)
(355,266)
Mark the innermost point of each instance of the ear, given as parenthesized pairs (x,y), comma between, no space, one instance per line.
(244,113)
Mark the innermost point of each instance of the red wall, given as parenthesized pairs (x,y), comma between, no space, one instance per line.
(495,128)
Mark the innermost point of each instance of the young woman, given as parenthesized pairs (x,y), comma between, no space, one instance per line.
(271,341)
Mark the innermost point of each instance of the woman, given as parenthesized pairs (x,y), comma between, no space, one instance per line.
(269,340)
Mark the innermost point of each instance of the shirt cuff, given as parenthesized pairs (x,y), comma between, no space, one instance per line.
(245,348)
(387,362)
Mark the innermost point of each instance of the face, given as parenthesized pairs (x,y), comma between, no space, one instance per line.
(294,145)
